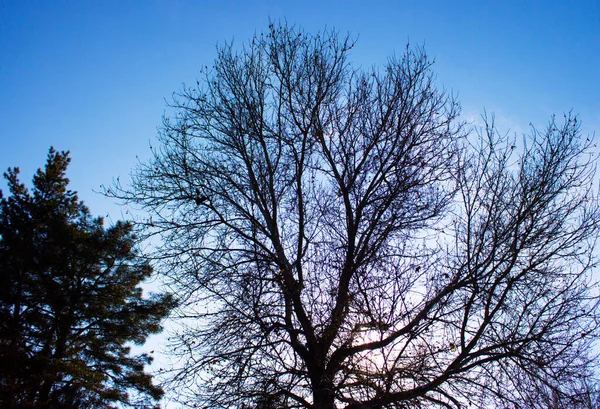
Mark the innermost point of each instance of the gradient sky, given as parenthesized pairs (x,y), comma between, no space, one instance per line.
(92,77)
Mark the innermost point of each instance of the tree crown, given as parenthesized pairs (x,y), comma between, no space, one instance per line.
(338,238)
(70,300)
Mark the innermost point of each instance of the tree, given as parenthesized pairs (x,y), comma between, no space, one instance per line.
(339,238)
(70,301)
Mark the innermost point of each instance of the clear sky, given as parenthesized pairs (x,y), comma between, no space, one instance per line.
(92,76)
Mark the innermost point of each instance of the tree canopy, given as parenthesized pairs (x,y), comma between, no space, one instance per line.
(338,238)
(70,300)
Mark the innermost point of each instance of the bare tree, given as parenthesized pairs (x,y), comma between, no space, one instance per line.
(338,240)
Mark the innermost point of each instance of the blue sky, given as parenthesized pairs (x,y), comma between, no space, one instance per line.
(92,76)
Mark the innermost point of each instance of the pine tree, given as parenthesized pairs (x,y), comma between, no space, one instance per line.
(70,300)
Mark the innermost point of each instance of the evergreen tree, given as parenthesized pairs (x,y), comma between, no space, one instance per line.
(70,300)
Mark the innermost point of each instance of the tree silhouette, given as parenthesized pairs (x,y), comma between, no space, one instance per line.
(70,301)
(357,247)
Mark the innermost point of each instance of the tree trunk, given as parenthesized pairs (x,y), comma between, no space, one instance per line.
(324,397)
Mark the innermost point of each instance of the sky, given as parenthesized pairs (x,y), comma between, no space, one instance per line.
(94,77)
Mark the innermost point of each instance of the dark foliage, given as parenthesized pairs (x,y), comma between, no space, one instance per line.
(70,301)
(339,239)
